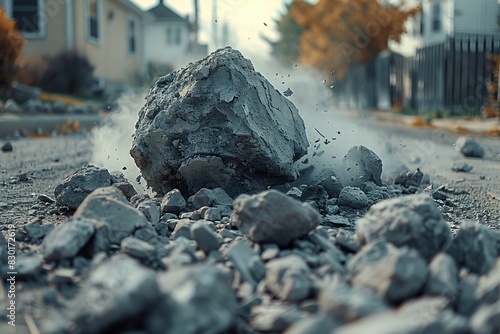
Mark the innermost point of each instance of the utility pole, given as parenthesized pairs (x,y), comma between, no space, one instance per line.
(215,36)
(195,23)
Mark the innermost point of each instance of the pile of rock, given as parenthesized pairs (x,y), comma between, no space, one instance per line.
(263,263)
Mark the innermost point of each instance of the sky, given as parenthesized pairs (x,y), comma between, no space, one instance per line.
(247,20)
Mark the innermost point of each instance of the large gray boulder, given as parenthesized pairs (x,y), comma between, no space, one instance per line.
(273,217)
(413,221)
(217,123)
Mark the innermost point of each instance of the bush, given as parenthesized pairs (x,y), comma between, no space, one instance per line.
(154,70)
(67,73)
(11,45)
(31,69)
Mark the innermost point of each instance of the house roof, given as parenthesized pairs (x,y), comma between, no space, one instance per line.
(163,13)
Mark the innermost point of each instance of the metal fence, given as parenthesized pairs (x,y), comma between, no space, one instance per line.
(451,76)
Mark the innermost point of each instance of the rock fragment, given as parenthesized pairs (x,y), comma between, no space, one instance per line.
(353,197)
(469,147)
(67,239)
(109,207)
(474,247)
(197,131)
(195,299)
(443,277)
(138,248)
(274,217)
(394,274)
(7,147)
(408,179)
(461,167)
(173,202)
(73,190)
(287,278)
(361,165)
(346,303)
(117,293)
(204,237)
(274,318)
(413,221)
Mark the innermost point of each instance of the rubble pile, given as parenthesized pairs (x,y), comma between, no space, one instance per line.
(206,254)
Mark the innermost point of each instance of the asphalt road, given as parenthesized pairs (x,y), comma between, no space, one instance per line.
(48,160)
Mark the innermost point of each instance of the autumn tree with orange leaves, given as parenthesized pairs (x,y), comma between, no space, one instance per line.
(11,45)
(338,33)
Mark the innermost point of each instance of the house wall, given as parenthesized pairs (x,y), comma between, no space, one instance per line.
(447,13)
(476,17)
(110,55)
(54,39)
(158,50)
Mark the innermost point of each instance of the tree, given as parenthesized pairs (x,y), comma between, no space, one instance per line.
(287,48)
(338,33)
(11,45)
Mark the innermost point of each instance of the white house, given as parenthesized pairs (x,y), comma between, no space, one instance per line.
(441,19)
(168,38)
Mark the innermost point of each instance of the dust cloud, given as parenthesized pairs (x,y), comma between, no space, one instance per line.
(330,132)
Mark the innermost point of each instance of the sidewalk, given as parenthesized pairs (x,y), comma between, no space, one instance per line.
(476,126)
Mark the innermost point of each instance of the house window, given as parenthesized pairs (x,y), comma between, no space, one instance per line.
(93,10)
(132,36)
(29,17)
(173,36)
(436,17)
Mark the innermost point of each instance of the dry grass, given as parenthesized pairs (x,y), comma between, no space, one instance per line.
(420,121)
(61,98)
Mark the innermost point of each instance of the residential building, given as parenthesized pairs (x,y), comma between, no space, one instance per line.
(169,39)
(110,33)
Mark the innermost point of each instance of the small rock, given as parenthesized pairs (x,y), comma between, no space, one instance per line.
(408,179)
(315,195)
(486,319)
(194,299)
(443,277)
(274,318)
(126,188)
(221,198)
(33,232)
(353,197)
(67,239)
(173,202)
(317,324)
(360,165)
(288,92)
(204,197)
(138,248)
(119,291)
(45,198)
(394,274)
(240,254)
(7,147)
(109,206)
(469,147)
(182,229)
(288,278)
(204,237)
(413,221)
(212,214)
(150,210)
(11,106)
(461,167)
(474,247)
(273,217)
(73,190)
(270,252)
(345,303)
(28,267)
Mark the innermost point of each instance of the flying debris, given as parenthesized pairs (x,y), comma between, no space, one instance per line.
(319,133)
(288,92)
